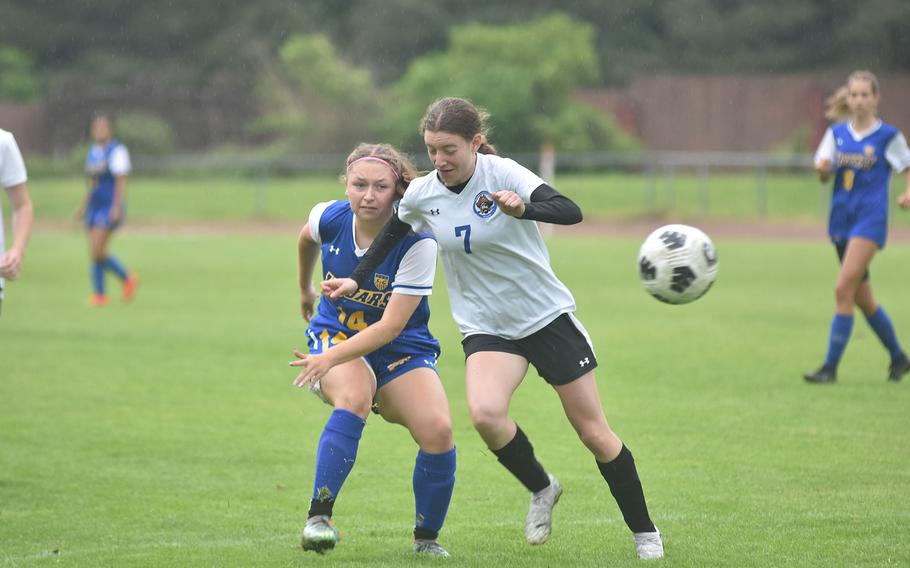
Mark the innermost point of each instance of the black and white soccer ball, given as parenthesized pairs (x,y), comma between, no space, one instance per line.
(677,264)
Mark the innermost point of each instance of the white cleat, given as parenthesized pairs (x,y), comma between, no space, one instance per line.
(430,548)
(649,545)
(319,535)
(540,513)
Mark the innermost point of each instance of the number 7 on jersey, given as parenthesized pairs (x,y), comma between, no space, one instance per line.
(466,229)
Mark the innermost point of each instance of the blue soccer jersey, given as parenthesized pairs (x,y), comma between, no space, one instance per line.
(862,164)
(104,164)
(332,225)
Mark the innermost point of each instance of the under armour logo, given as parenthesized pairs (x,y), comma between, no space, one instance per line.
(334,250)
(429,363)
(583,362)
(434,211)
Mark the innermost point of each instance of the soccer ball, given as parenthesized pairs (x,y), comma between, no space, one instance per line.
(677,264)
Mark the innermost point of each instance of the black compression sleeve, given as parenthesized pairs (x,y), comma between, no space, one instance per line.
(550,206)
(390,235)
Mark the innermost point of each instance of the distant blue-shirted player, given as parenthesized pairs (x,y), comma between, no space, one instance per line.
(861,152)
(107,166)
(373,346)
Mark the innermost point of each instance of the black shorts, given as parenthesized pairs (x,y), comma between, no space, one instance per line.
(561,351)
(841,247)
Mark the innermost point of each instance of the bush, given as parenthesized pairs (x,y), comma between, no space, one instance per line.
(145,134)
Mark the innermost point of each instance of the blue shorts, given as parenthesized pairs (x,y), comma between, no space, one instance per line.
(868,220)
(387,363)
(100,218)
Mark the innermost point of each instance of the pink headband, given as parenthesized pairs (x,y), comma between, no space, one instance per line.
(380,160)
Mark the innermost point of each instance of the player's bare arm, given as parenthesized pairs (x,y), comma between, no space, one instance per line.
(11,263)
(823,169)
(396,315)
(307,253)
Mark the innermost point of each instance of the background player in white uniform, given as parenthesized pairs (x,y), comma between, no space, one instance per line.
(510,307)
(374,345)
(13,177)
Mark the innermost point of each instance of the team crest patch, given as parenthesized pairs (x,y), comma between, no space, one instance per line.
(869,150)
(484,206)
(381,281)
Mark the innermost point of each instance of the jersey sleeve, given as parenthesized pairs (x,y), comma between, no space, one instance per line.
(417,269)
(119,162)
(515,177)
(12,166)
(827,149)
(315,217)
(897,153)
(409,211)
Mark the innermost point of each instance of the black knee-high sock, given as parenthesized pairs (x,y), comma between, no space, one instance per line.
(518,457)
(622,477)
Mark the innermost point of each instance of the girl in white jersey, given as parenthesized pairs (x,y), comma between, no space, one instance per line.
(510,307)
(13,178)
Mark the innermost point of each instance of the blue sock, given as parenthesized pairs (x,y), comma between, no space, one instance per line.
(336,453)
(97,272)
(434,479)
(841,326)
(114,265)
(881,325)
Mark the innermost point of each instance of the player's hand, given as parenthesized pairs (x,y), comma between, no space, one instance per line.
(823,168)
(314,368)
(11,265)
(510,203)
(335,288)
(307,303)
(116,212)
(904,199)
(79,213)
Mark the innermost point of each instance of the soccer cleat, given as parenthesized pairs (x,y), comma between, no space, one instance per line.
(319,535)
(649,545)
(97,300)
(129,287)
(899,368)
(540,512)
(821,376)
(430,547)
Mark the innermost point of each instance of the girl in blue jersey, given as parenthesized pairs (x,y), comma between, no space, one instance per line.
(373,346)
(860,151)
(107,165)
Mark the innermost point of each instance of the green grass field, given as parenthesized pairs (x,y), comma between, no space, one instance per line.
(167,432)
(787,197)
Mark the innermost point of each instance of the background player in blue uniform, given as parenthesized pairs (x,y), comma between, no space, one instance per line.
(107,165)
(860,151)
(374,345)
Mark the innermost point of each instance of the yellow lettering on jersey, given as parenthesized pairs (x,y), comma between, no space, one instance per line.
(370,298)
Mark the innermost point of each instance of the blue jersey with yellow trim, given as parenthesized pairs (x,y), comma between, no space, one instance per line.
(340,319)
(859,201)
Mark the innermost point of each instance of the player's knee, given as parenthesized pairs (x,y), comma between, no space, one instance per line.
(353,401)
(845,291)
(435,433)
(597,438)
(487,417)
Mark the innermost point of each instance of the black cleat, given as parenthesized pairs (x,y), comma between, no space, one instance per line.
(823,375)
(899,368)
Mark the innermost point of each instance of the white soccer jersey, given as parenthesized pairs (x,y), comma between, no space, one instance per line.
(12,173)
(497,267)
